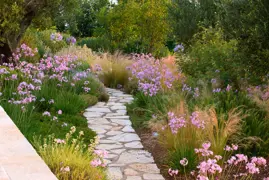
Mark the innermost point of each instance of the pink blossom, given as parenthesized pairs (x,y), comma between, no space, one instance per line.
(175,122)
(196,121)
(59,141)
(172,172)
(60,112)
(252,169)
(96,162)
(260,161)
(101,153)
(184,162)
(46,113)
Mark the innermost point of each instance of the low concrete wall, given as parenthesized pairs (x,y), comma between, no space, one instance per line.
(18,159)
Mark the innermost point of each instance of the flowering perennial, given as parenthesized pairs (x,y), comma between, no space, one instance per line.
(151,74)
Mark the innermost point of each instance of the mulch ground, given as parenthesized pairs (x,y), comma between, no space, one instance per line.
(151,144)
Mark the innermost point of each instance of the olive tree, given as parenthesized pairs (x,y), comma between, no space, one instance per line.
(17,15)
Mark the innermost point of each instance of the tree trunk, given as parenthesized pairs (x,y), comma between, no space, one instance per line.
(5,53)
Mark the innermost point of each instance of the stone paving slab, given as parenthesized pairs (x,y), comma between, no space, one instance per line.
(127,159)
(18,159)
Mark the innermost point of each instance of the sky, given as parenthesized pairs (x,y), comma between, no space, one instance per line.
(114,1)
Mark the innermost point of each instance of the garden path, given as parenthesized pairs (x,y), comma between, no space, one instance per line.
(127,160)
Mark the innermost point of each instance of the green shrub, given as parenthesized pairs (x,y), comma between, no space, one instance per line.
(98,44)
(103,97)
(210,53)
(89,99)
(93,83)
(54,46)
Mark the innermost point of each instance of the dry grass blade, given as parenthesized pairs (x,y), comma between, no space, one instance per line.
(213,117)
(232,126)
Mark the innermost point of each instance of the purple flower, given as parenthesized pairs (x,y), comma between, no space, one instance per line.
(179,47)
(46,113)
(228,88)
(213,81)
(71,40)
(217,90)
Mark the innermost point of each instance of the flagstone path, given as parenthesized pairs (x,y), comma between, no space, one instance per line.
(127,160)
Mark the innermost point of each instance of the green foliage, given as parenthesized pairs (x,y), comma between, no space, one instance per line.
(17,16)
(72,100)
(95,43)
(69,103)
(253,138)
(10,12)
(90,99)
(135,26)
(42,126)
(186,16)
(54,46)
(247,22)
(143,107)
(210,52)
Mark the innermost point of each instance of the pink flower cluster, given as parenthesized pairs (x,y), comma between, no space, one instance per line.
(211,168)
(231,148)
(196,121)
(152,75)
(172,172)
(261,91)
(24,51)
(175,123)
(98,161)
(204,151)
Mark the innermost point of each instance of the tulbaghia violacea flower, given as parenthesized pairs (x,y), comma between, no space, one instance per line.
(60,112)
(152,75)
(172,172)
(179,47)
(101,153)
(175,123)
(197,121)
(46,113)
(228,88)
(184,162)
(205,150)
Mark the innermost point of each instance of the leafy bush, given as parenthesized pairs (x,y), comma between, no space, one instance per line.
(90,99)
(211,53)
(54,46)
(98,44)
